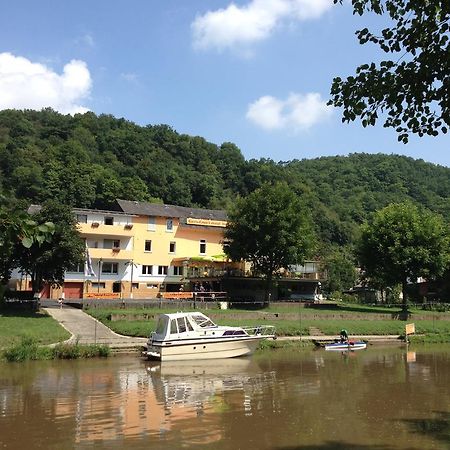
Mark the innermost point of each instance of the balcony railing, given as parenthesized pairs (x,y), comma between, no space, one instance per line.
(207,272)
(96,228)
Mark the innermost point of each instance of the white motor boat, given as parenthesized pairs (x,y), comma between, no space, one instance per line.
(192,335)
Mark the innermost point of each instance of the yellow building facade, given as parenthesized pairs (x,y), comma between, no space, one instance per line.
(143,250)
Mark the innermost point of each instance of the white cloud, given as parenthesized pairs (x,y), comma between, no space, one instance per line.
(297,113)
(28,85)
(256,21)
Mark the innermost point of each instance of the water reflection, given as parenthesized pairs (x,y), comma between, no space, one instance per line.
(379,398)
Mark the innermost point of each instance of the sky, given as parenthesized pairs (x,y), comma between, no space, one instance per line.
(253,72)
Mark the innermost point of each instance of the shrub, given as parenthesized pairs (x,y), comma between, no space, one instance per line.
(26,349)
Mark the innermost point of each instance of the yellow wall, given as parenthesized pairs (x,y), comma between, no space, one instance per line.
(187,241)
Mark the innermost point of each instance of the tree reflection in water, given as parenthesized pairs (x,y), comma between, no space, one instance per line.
(438,427)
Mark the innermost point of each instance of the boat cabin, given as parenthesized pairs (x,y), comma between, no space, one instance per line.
(172,325)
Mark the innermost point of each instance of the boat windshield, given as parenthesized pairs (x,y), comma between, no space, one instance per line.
(202,321)
(161,325)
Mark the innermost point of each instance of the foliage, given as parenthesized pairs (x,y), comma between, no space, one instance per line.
(403,242)
(88,161)
(18,230)
(340,268)
(270,229)
(411,87)
(29,349)
(47,261)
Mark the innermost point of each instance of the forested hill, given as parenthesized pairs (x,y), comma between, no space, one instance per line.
(89,161)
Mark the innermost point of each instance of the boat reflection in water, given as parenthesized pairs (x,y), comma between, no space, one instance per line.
(203,390)
(189,382)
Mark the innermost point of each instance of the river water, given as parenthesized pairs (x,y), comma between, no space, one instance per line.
(376,399)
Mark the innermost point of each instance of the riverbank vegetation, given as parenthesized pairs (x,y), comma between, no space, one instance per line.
(29,349)
(292,320)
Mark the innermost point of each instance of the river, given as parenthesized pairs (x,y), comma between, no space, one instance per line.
(376,399)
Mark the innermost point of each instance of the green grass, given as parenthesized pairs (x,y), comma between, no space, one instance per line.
(38,326)
(29,349)
(287,327)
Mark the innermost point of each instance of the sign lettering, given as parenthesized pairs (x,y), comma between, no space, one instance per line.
(206,222)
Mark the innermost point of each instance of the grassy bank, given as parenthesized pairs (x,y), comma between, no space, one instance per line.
(358,320)
(35,325)
(29,349)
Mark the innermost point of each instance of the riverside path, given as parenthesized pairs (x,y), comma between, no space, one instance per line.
(87,330)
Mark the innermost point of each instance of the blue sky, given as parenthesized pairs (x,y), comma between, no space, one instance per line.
(253,72)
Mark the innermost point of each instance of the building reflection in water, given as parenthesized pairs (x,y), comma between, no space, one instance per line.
(163,397)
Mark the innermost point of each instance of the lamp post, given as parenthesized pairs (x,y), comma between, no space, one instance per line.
(100,262)
(131,281)
(131,263)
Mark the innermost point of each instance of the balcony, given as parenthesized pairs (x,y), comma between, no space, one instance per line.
(100,229)
(110,253)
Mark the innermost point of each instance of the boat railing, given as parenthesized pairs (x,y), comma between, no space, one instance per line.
(260,330)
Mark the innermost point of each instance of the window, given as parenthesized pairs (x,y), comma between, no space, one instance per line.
(135,285)
(111,243)
(178,270)
(202,247)
(96,285)
(151,224)
(110,267)
(162,270)
(172,247)
(169,225)
(181,325)
(82,218)
(203,321)
(109,220)
(152,286)
(173,327)
(148,246)
(147,270)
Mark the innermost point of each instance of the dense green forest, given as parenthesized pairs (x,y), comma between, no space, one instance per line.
(88,161)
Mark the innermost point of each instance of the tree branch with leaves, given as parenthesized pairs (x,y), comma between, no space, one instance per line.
(410,91)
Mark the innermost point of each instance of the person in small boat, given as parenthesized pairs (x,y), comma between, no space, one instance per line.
(343,335)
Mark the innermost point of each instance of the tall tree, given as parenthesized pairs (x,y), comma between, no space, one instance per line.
(18,232)
(47,260)
(410,90)
(270,229)
(401,243)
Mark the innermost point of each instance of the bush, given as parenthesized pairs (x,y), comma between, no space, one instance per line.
(75,351)
(28,349)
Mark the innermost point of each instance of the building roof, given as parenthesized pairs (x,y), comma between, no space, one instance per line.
(159,210)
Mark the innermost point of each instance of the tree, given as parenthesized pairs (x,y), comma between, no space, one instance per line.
(48,260)
(269,229)
(341,271)
(413,86)
(401,243)
(17,230)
